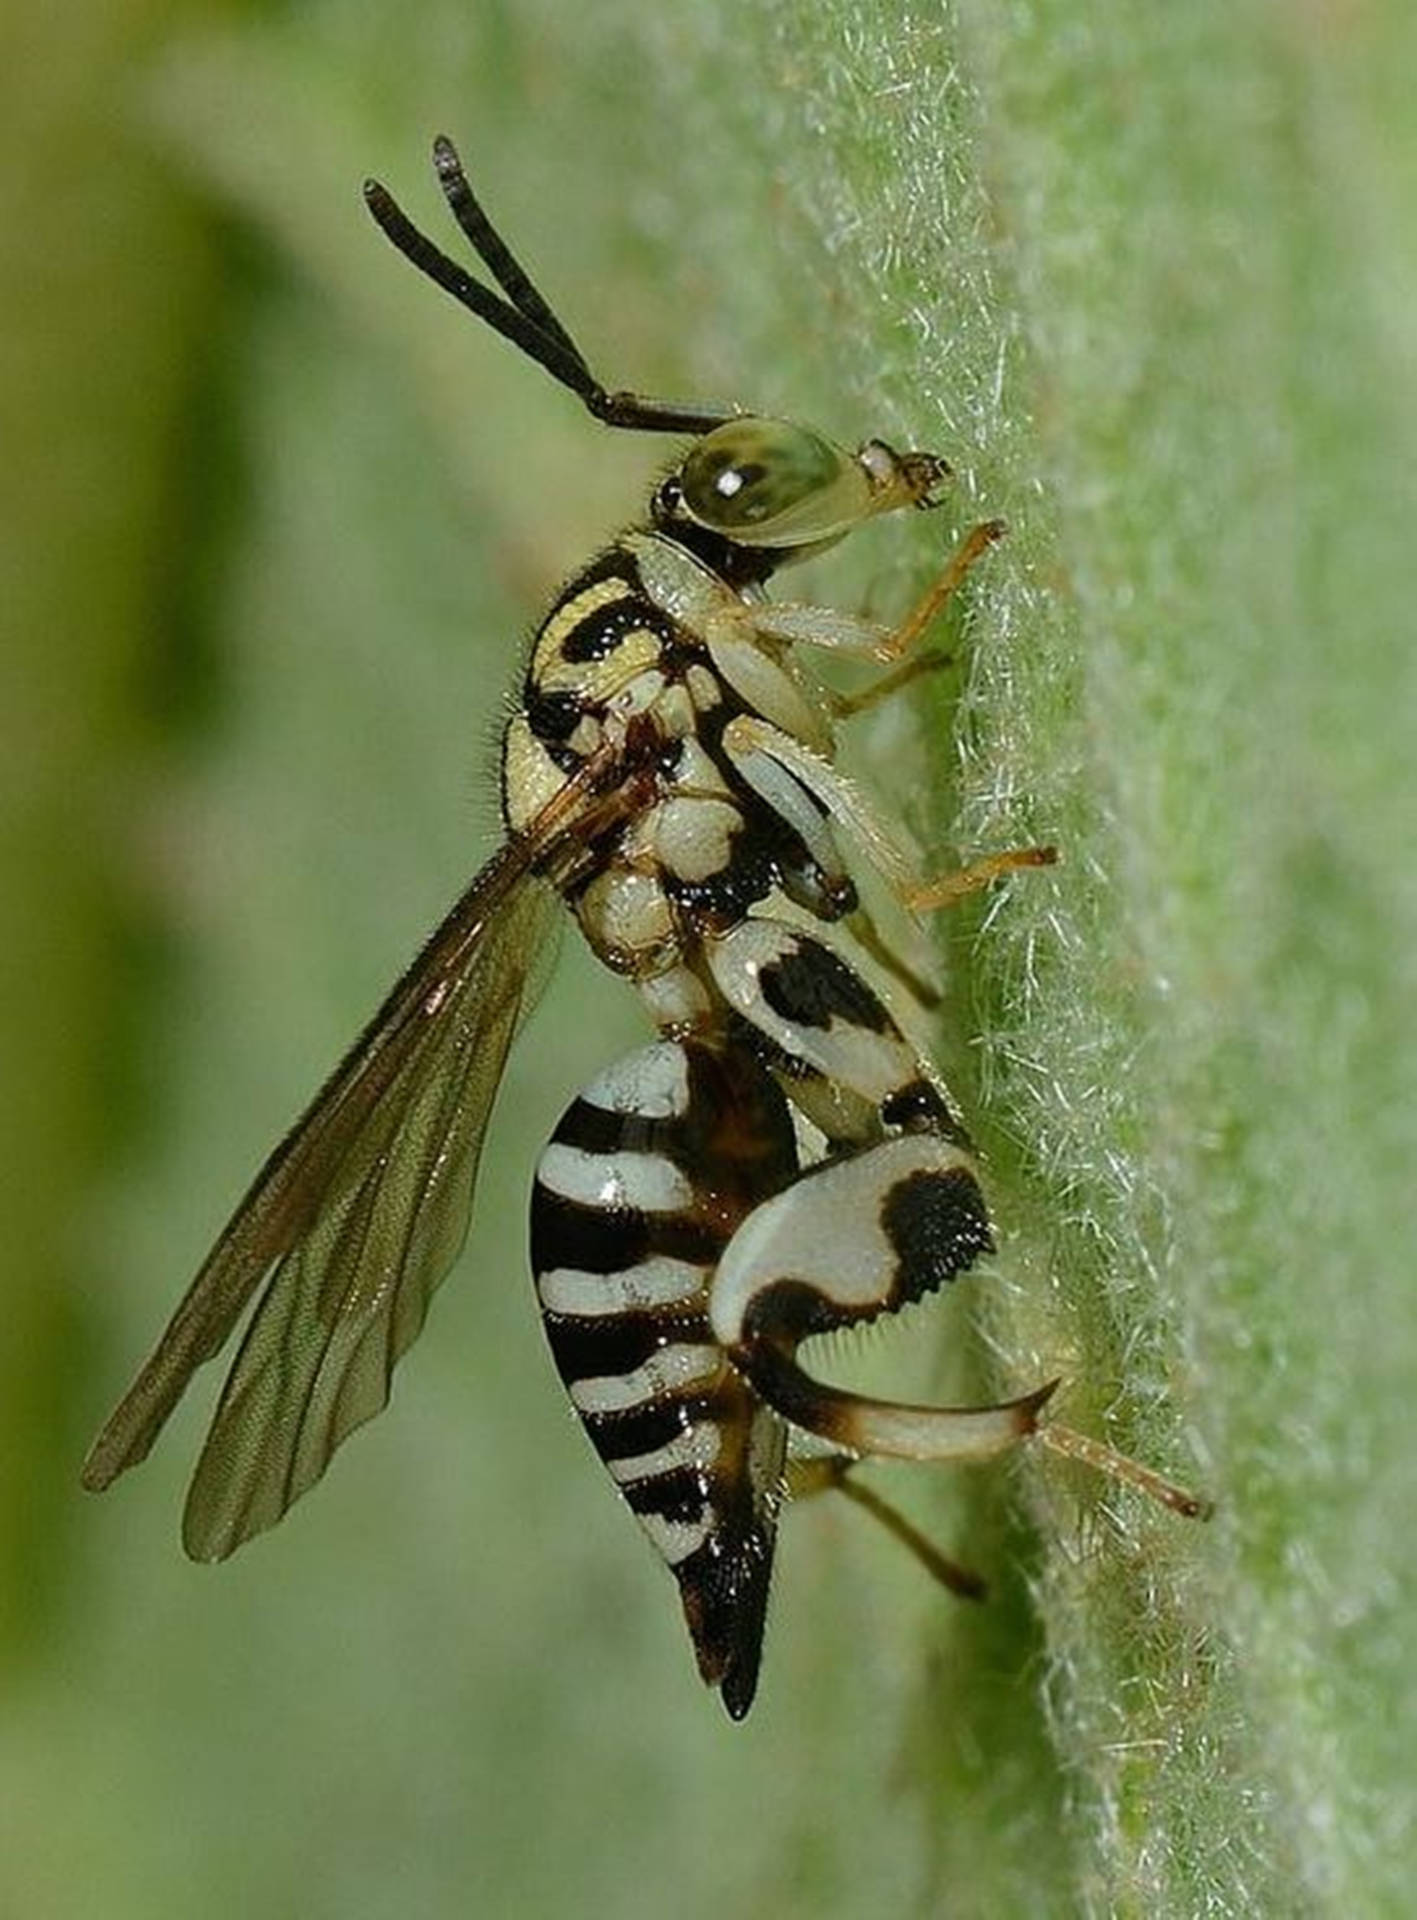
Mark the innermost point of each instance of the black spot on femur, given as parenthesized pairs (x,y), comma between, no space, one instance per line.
(811,986)
(796,1309)
(920,1107)
(938,1225)
(917,1102)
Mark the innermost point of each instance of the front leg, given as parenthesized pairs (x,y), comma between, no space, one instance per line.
(792,623)
(748,643)
(926,896)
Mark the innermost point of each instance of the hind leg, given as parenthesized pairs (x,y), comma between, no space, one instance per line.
(831,1473)
(891,1213)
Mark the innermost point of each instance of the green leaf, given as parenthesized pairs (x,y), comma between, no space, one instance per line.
(1148,281)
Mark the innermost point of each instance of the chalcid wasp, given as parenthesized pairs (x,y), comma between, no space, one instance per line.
(780,1162)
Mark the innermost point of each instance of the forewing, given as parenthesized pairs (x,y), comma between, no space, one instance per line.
(355,1218)
(360,1211)
(346,1301)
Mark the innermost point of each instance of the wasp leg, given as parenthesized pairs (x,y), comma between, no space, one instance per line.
(837,632)
(937,597)
(831,1473)
(929,895)
(779,767)
(893,1214)
(887,1429)
(1120,1466)
(846,706)
(840,1056)
(818,1257)
(855,1237)
(896,1430)
(863,929)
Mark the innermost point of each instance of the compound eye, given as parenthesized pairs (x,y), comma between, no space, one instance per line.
(769,483)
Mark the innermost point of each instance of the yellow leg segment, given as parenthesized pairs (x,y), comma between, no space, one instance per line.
(831,1473)
(937,597)
(929,895)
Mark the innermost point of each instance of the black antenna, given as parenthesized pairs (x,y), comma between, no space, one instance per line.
(523,317)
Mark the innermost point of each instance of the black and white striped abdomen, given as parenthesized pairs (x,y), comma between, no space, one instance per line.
(643,1184)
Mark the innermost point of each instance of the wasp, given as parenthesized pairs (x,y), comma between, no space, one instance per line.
(779,1162)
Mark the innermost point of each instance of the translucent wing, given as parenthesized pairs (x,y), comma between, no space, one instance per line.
(358,1214)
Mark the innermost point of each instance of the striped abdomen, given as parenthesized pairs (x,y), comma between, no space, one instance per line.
(646,1178)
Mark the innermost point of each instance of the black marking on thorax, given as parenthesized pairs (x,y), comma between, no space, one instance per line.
(765,851)
(553,717)
(604,624)
(599,633)
(920,1107)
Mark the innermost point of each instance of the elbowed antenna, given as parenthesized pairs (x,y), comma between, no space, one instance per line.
(523,317)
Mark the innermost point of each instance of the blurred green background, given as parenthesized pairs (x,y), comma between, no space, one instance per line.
(276,520)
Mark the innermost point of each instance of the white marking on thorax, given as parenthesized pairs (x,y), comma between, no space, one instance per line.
(693,839)
(675,712)
(704,688)
(629,681)
(697,772)
(530,777)
(604,682)
(567,617)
